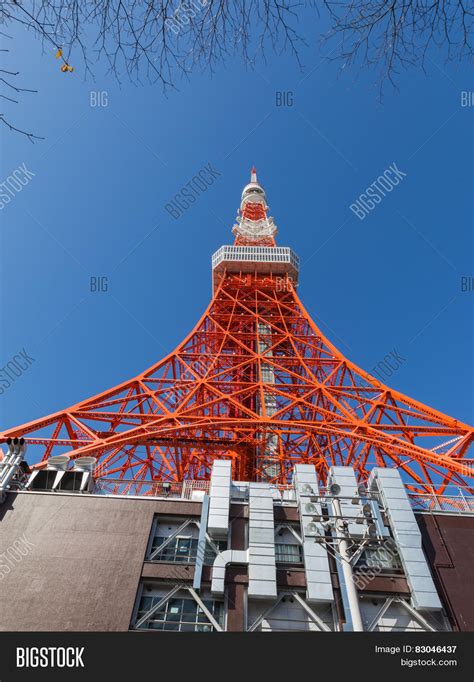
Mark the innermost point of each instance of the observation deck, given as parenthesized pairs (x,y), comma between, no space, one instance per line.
(275,260)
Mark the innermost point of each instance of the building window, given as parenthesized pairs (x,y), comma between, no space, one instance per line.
(288,554)
(179,614)
(183,550)
(380,558)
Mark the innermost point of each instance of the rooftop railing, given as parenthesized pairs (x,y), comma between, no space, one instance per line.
(454,501)
(183,490)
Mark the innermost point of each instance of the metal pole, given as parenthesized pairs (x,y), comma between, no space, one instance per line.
(201,548)
(351,589)
(10,465)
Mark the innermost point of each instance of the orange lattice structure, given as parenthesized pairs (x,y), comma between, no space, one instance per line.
(257,382)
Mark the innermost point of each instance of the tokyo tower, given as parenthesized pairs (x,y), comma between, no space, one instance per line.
(255,382)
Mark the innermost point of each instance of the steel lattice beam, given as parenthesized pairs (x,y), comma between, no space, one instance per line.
(255,381)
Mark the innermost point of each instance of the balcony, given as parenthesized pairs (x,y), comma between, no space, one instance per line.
(277,260)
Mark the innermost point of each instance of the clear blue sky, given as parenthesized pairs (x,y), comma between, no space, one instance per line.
(103,176)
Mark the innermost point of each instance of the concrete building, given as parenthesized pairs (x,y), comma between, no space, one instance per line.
(233,556)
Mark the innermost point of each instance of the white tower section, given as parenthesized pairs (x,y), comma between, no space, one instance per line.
(252,221)
(254,249)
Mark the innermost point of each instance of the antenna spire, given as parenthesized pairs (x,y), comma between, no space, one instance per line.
(254,226)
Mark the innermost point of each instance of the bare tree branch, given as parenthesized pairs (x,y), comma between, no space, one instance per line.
(7,80)
(161,40)
(393,34)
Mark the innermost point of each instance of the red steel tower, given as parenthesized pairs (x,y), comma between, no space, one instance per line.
(256,382)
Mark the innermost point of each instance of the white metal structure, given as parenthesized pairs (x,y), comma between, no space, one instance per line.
(278,260)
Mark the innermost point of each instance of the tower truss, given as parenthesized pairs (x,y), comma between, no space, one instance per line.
(256,382)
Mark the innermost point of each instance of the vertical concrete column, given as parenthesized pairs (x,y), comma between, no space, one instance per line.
(238,533)
(235,607)
(219,499)
(318,576)
(262,566)
(406,533)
